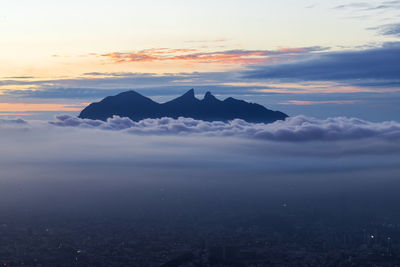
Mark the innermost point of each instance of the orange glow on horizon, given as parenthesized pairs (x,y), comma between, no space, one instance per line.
(16,114)
(27,107)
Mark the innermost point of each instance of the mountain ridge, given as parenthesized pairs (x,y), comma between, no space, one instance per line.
(135,106)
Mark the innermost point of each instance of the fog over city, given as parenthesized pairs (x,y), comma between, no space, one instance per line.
(80,156)
(185,179)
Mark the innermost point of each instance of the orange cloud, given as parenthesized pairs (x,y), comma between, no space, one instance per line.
(193,55)
(306,103)
(16,114)
(27,107)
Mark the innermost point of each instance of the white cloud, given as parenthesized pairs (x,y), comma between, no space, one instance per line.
(8,122)
(95,160)
(7,125)
(293,129)
(305,143)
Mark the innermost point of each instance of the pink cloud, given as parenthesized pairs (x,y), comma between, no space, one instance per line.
(6,108)
(194,55)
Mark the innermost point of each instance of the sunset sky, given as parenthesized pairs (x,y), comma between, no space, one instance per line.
(336,58)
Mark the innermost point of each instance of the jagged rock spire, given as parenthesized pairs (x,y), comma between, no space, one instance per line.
(209,97)
(189,93)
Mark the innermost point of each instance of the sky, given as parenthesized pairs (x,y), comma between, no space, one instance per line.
(336,58)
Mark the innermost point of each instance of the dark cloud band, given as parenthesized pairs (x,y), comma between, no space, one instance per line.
(377,65)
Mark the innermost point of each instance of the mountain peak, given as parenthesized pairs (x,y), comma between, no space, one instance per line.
(130,93)
(209,96)
(128,96)
(137,107)
(187,98)
(189,93)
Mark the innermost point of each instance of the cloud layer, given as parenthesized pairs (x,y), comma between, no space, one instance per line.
(368,6)
(369,67)
(388,29)
(193,55)
(293,129)
(76,149)
(92,163)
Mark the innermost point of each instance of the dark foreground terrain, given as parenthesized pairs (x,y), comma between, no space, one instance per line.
(206,222)
(283,240)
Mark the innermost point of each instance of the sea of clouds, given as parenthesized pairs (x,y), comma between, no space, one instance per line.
(293,129)
(297,143)
(299,136)
(72,160)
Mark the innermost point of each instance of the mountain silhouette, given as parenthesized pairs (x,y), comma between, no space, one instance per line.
(137,107)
